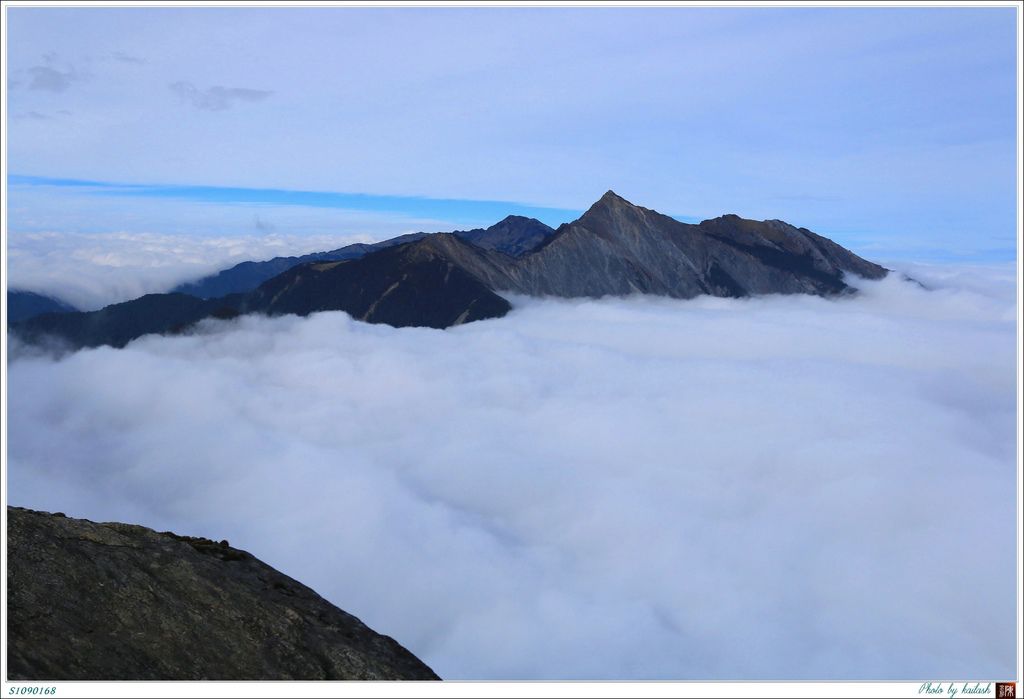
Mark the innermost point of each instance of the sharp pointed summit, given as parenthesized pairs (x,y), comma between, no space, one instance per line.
(609,200)
(610,197)
(611,215)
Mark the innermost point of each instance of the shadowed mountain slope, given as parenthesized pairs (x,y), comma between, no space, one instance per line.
(410,285)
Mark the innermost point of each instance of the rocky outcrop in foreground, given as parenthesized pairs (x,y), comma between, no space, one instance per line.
(89,601)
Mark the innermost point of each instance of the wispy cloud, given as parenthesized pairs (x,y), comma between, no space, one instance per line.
(51,79)
(217,98)
(52,76)
(123,57)
(35,115)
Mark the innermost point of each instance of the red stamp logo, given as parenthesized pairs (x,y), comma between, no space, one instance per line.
(1006,690)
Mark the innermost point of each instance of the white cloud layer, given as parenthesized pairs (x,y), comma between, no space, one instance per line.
(784,487)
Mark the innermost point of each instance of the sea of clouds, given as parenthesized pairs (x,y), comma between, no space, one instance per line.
(780,487)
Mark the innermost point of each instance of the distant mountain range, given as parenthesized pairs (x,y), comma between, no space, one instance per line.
(22,305)
(514,236)
(444,279)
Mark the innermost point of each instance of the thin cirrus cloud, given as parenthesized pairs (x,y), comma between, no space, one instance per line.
(631,488)
(217,98)
(57,75)
(123,57)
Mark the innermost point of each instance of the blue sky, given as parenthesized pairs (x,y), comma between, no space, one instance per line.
(891,130)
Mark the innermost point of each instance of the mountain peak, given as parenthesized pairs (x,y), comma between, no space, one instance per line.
(611,198)
(512,235)
(609,202)
(513,218)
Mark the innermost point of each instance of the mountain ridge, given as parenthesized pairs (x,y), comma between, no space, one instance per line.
(443,279)
(513,235)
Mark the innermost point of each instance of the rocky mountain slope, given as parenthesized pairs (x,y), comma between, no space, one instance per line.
(90,601)
(444,279)
(617,248)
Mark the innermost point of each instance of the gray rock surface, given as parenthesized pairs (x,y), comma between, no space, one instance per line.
(89,601)
(617,248)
